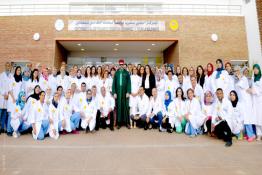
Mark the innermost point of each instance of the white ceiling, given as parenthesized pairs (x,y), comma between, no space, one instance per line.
(111,46)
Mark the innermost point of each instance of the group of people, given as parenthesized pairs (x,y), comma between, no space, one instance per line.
(221,102)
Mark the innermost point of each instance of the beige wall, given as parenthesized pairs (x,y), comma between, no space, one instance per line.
(195,46)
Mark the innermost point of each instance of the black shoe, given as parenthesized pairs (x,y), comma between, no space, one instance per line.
(169,130)
(146,127)
(9,134)
(128,126)
(112,128)
(228,144)
(87,129)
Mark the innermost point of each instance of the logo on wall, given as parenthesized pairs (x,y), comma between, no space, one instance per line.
(173,25)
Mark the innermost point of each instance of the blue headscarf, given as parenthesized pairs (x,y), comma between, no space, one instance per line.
(169,100)
(26,78)
(219,70)
(19,101)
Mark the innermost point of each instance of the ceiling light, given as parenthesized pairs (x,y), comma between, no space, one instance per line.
(82,49)
(148,49)
(116,44)
(115,49)
(79,44)
(153,44)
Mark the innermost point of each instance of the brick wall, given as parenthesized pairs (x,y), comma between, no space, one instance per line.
(194,43)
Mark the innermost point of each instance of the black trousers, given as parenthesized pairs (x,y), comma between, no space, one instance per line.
(101,122)
(223,131)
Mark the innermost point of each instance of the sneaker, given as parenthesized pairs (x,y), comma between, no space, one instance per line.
(15,135)
(258,138)
(192,136)
(64,132)
(228,144)
(75,132)
(240,137)
(9,134)
(251,139)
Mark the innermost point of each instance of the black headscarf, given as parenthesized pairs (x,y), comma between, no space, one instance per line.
(18,78)
(234,103)
(34,95)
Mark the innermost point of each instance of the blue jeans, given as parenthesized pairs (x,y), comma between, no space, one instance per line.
(157,119)
(249,130)
(75,118)
(190,130)
(3,117)
(71,125)
(43,130)
(9,129)
(23,126)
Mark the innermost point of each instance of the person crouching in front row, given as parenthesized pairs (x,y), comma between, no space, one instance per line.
(88,112)
(105,115)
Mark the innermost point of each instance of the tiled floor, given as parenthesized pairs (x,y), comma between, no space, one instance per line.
(128,152)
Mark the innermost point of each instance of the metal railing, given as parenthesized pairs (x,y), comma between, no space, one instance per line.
(120,9)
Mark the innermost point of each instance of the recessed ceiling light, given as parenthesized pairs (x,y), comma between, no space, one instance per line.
(148,49)
(115,49)
(116,44)
(153,44)
(79,44)
(82,49)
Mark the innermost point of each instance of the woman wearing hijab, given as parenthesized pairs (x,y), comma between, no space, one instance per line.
(245,98)
(18,121)
(256,92)
(220,78)
(168,121)
(238,115)
(15,87)
(208,111)
(54,117)
(208,82)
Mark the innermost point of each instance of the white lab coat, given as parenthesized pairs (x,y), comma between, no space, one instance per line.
(208,84)
(142,105)
(5,80)
(222,82)
(43,83)
(66,109)
(136,82)
(160,85)
(52,83)
(15,88)
(257,101)
(105,83)
(30,85)
(90,110)
(54,115)
(63,81)
(199,93)
(180,110)
(105,103)
(17,116)
(38,114)
(237,118)
(171,85)
(224,110)
(170,113)
(246,99)
(196,116)
(155,106)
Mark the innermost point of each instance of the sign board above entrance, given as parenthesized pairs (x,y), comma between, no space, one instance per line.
(117,25)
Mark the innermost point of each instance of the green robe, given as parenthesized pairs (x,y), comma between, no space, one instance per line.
(121,86)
